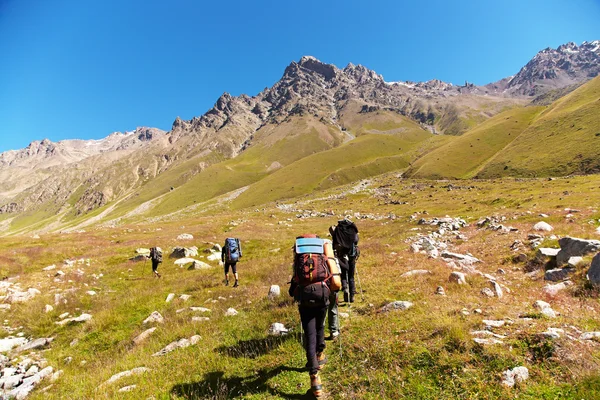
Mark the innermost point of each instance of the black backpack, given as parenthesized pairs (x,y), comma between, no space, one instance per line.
(345,238)
(156,254)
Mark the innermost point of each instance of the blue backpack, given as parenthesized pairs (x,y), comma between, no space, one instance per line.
(233,250)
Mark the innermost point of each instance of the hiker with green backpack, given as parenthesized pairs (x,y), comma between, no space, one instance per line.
(315,276)
(230,255)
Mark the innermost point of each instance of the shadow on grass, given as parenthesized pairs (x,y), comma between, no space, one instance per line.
(254,348)
(215,386)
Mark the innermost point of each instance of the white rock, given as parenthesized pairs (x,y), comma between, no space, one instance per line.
(543,227)
(397,305)
(178,344)
(200,319)
(143,336)
(487,292)
(548,312)
(32,371)
(10,343)
(231,312)
(170,297)
(491,323)
(415,272)
(185,297)
(12,381)
(343,315)
(278,329)
(515,375)
(496,288)
(200,309)
(155,317)
(63,315)
(128,388)
(464,258)
(48,308)
(274,291)
(49,268)
(91,292)
(590,335)
(540,305)
(56,375)
(457,277)
(440,291)
(185,236)
(488,334)
(553,290)
(574,261)
(82,318)
(134,371)
(8,371)
(487,341)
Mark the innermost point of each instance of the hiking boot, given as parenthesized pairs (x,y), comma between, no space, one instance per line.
(236,284)
(226,282)
(322,358)
(346,297)
(334,335)
(351,297)
(156,274)
(315,385)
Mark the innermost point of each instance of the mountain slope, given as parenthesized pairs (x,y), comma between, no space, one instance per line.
(561,139)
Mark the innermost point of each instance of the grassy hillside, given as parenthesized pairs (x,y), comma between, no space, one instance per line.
(562,140)
(463,156)
(426,352)
(558,140)
(368,155)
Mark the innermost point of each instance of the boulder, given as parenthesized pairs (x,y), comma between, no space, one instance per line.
(142,251)
(570,247)
(574,262)
(415,272)
(544,252)
(170,297)
(397,305)
(231,312)
(155,317)
(178,344)
(487,292)
(457,277)
(16,296)
(274,291)
(552,290)
(491,323)
(185,236)
(496,288)
(35,344)
(278,329)
(558,274)
(9,343)
(464,258)
(143,336)
(116,377)
(183,252)
(48,308)
(184,261)
(516,375)
(185,297)
(594,271)
(542,227)
(198,265)
(82,318)
(590,335)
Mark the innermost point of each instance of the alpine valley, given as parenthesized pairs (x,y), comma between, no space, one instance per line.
(544,121)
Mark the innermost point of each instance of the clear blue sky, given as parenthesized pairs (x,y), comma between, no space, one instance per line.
(83,69)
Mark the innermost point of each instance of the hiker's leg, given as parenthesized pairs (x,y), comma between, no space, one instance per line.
(320,325)
(351,282)
(226,269)
(309,324)
(154,266)
(332,313)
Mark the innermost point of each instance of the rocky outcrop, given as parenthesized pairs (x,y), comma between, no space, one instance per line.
(574,247)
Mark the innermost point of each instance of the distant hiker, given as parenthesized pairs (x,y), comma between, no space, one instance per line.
(230,255)
(345,245)
(311,285)
(156,257)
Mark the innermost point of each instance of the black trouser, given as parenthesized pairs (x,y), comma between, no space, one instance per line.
(233,267)
(313,323)
(348,268)
(155,265)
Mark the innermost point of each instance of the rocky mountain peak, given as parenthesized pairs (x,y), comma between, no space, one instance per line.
(554,68)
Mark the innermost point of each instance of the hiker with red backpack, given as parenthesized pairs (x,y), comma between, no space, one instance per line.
(315,276)
(230,255)
(345,245)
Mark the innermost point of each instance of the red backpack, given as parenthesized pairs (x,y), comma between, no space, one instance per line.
(311,272)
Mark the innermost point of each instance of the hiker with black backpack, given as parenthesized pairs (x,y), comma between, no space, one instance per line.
(345,245)
(156,258)
(230,255)
(315,275)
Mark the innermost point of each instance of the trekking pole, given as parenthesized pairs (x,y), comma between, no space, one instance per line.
(339,333)
(362,297)
(144,267)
